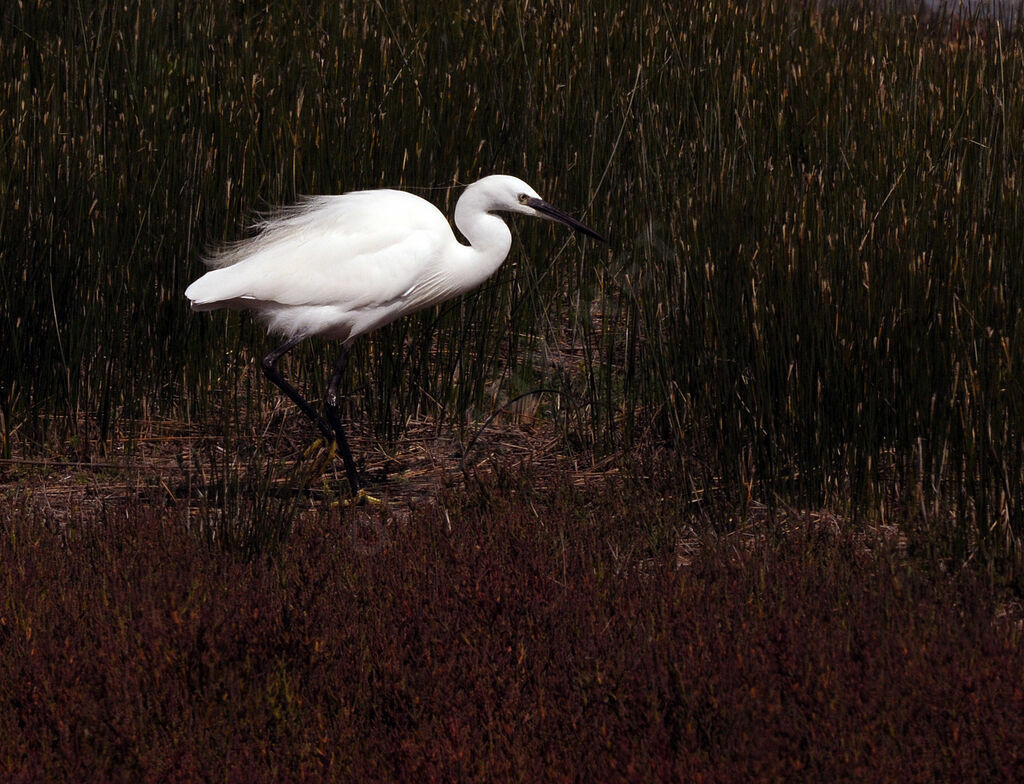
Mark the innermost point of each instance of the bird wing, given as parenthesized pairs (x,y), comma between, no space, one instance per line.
(359,250)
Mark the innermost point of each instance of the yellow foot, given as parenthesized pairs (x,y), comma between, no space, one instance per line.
(362,498)
(319,455)
(319,446)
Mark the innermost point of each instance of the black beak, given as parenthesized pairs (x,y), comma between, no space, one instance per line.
(552,213)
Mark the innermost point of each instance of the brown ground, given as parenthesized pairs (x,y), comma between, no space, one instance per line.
(169,463)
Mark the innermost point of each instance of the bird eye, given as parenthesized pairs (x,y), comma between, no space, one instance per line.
(522,198)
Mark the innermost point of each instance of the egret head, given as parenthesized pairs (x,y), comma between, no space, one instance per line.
(510,194)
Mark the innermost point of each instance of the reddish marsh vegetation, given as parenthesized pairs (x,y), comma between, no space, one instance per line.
(500,632)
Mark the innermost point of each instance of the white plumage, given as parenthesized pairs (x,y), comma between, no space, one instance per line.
(342,266)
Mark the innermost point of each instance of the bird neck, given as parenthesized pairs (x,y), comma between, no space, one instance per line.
(488,235)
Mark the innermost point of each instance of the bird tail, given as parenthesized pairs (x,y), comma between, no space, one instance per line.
(216,289)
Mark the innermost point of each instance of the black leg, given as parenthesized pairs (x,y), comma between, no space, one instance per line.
(331,429)
(335,420)
(270,371)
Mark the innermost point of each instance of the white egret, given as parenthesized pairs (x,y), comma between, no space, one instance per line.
(341,266)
